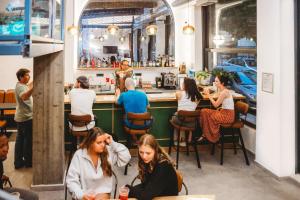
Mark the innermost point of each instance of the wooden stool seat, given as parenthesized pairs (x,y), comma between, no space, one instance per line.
(236,124)
(182,128)
(135,131)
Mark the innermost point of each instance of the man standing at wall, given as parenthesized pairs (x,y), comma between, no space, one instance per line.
(23,117)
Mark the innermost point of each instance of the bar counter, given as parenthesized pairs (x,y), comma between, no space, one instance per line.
(110,116)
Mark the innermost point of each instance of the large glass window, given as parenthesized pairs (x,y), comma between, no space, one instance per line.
(40,21)
(58,17)
(230,43)
(11,17)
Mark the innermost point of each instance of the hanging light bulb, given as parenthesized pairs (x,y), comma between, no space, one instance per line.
(112,29)
(143,38)
(188,29)
(122,39)
(73,30)
(101,38)
(151,29)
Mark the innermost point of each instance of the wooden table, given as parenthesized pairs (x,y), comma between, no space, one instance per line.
(7,106)
(187,197)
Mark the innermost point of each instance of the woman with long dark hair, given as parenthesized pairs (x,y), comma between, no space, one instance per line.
(188,99)
(90,172)
(156,171)
(211,119)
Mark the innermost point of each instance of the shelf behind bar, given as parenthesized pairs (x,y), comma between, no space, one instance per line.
(134,68)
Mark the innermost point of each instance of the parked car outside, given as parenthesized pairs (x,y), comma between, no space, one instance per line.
(243,82)
(247,62)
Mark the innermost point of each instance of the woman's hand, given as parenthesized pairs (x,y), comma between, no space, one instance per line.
(88,197)
(108,139)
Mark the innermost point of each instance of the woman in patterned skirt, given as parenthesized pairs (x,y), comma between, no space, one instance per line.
(210,119)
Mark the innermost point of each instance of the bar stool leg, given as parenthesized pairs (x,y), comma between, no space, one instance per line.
(177,153)
(243,147)
(212,152)
(187,143)
(222,148)
(196,150)
(171,141)
(233,141)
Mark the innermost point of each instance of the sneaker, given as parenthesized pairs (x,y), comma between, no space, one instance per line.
(175,143)
(182,144)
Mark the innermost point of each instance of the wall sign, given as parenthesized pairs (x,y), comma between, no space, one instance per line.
(267,82)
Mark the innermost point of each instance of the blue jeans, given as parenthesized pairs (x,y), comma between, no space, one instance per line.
(23,147)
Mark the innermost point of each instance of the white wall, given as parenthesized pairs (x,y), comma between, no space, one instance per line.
(9,65)
(275,133)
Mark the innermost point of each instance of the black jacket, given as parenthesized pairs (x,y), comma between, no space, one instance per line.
(161,182)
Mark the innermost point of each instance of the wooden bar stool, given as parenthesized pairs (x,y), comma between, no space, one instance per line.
(140,124)
(231,129)
(185,117)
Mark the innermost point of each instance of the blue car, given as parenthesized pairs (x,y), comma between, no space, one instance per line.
(243,82)
(246,62)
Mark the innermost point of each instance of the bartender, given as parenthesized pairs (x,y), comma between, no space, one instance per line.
(124,72)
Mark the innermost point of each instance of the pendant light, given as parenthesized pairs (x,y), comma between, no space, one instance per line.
(188,29)
(73,30)
(151,29)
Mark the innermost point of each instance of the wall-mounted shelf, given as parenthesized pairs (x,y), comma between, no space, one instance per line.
(134,68)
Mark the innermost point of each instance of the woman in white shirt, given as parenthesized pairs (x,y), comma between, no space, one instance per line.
(210,119)
(90,172)
(82,100)
(188,99)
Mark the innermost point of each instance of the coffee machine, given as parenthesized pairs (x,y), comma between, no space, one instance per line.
(168,80)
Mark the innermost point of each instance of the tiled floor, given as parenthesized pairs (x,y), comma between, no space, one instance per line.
(232,181)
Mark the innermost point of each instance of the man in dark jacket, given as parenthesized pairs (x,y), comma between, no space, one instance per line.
(24,194)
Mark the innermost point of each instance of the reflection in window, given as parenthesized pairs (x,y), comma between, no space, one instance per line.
(40,18)
(57,26)
(11,17)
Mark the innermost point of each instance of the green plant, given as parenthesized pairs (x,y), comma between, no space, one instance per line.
(221,72)
(200,75)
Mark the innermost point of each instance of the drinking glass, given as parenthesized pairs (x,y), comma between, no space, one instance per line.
(123,193)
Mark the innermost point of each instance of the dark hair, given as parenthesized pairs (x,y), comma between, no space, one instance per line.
(159,156)
(21,73)
(87,143)
(84,82)
(224,80)
(191,89)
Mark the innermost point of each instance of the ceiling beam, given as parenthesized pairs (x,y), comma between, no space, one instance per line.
(121,4)
(89,14)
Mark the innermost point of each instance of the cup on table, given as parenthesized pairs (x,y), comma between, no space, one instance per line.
(16,195)
(123,193)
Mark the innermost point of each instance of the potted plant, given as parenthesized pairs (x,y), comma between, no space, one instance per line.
(202,77)
(219,71)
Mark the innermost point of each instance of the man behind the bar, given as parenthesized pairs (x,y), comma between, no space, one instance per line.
(24,194)
(23,117)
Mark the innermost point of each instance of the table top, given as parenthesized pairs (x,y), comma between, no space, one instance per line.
(187,197)
(8,106)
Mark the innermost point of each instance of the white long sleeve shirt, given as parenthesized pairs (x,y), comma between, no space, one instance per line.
(83,177)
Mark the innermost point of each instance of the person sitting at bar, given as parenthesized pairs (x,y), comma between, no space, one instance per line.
(24,194)
(133,101)
(188,99)
(156,171)
(210,119)
(124,72)
(90,172)
(82,100)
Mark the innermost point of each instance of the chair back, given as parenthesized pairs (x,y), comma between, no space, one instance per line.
(80,120)
(241,107)
(2,93)
(10,96)
(188,116)
(140,119)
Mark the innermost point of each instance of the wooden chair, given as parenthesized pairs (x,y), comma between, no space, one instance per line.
(185,117)
(240,108)
(9,97)
(141,123)
(2,94)
(179,181)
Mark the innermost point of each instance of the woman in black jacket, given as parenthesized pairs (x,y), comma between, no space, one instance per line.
(156,171)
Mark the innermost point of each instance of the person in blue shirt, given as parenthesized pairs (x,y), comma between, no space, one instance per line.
(133,101)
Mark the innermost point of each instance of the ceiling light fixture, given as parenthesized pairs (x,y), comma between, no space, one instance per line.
(143,38)
(188,29)
(73,30)
(151,29)
(112,29)
(101,38)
